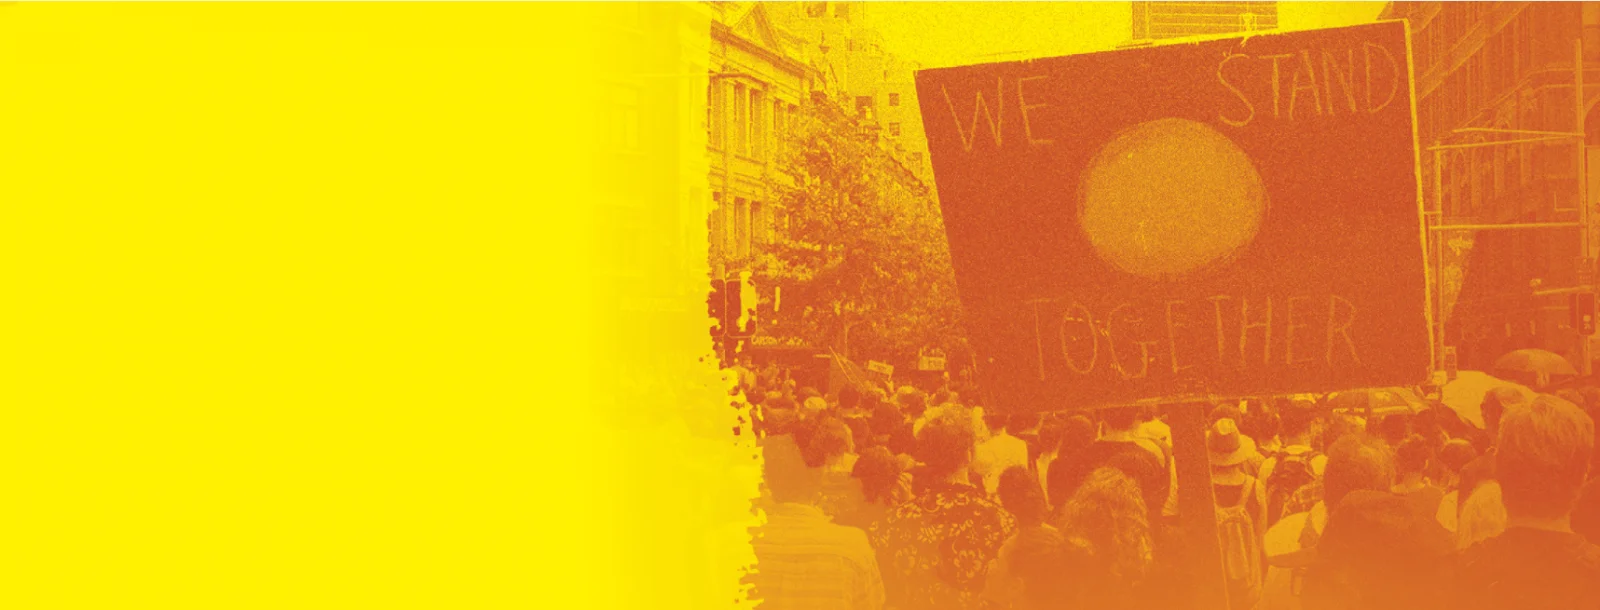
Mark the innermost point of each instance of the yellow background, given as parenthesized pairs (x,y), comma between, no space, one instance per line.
(303,309)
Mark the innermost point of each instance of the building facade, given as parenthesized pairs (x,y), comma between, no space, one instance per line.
(757,80)
(1508,66)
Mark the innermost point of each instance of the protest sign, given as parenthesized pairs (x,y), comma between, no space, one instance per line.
(1235,216)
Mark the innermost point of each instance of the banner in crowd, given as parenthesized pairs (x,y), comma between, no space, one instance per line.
(1236,216)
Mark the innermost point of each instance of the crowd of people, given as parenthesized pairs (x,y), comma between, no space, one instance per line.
(914,500)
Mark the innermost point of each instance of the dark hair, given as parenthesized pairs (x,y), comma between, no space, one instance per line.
(1120,417)
(1021,421)
(913,403)
(878,470)
(945,444)
(1413,455)
(1394,428)
(1356,461)
(1455,455)
(886,419)
(1021,496)
(1050,434)
(903,440)
(1260,424)
(849,397)
(1077,433)
(995,420)
(1296,419)
(860,433)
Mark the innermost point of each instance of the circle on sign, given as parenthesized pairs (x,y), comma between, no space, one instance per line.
(1169,197)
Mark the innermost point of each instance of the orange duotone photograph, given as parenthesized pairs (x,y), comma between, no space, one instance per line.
(800,305)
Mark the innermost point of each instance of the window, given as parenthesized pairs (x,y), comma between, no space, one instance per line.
(713,127)
(864,106)
(741,220)
(761,219)
(894,99)
(816,9)
(718,228)
(780,127)
(894,130)
(741,119)
(841,10)
(758,135)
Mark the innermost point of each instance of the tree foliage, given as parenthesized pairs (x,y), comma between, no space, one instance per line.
(863,254)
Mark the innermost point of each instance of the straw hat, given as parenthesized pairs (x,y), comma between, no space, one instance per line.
(1226,446)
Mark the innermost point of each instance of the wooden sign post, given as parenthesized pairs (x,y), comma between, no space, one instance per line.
(1197,513)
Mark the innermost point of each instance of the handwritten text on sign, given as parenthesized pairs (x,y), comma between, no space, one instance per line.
(1238,216)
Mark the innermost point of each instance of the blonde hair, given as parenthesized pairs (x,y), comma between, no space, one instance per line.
(1483,516)
(1542,457)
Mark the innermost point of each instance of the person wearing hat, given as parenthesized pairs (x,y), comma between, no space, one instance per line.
(1241,512)
(1230,476)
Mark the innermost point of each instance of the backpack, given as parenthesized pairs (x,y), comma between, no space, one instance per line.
(1241,548)
(1289,474)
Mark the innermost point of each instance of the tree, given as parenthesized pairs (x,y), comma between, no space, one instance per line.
(862,260)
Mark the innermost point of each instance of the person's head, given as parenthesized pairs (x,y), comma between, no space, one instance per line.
(1120,418)
(1077,433)
(1227,450)
(849,397)
(995,421)
(879,471)
(1021,496)
(1394,428)
(1021,422)
(1494,404)
(1482,515)
(1261,423)
(1050,436)
(1378,552)
(787,475)
(1413,456)
(814,407)
(1296,420)
(1454,456)
(1591,399)
(946,444)
(1356,462)
(903,440)
(912,403)
(885,419)
(1226,411)
(829,442)
(1108,512)
(1542,456)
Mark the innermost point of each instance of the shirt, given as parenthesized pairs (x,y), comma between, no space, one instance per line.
(997,454)
(1528,569)
(803,562)
(1281,588)
(937,548)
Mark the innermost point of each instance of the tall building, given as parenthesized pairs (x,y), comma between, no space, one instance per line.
(860,75)
(759,76)
(1505,66)
(1159,20)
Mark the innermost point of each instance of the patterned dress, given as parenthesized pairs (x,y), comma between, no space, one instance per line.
(935,551)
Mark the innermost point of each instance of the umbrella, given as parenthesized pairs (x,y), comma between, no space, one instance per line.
(1535,361)
(1465,394)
